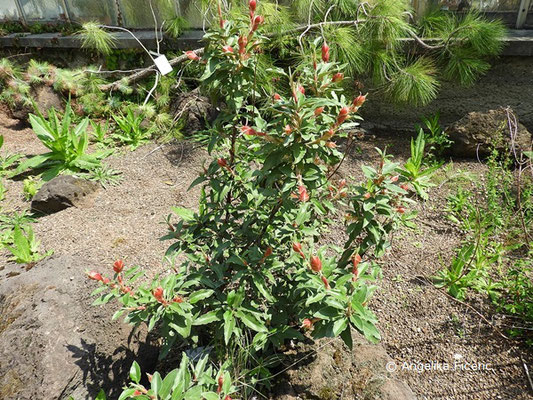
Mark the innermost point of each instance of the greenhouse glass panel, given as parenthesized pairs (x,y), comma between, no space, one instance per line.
(104,11)
(191,10)
(137,13)
(43,10)
(8,10)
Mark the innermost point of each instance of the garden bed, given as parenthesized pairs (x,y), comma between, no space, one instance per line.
(419,323)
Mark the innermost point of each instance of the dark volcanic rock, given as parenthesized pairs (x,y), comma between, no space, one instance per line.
(196,110)
(44,97)
(478,133)
(62,192)
(54,344)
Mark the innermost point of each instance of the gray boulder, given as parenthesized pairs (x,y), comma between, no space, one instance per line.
(62,192)
(331,371)
(54,344)
(476,134)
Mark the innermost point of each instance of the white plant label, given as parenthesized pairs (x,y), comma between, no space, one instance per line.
(163,65)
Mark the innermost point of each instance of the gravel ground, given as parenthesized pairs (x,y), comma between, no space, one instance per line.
(419,323)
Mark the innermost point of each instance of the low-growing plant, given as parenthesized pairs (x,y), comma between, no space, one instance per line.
(8,160)
(436,139)
(495,257)
(25,248)
(130,129)
(31,187)
(3,190)
(99,133)
(414,170)
(68,146)
(105,176)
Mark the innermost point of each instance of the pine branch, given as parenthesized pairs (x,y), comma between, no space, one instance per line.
(180,59)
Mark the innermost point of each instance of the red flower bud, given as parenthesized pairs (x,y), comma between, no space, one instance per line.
(227,49)
(331,145)
(222,23)
(276,97)
(394,179)
(288,129)
(325,52)
(228,398)
(118,266)
(297,247)
(106,281)
(220,383)
(258,20)
(367,195)
(243,41)
(307,323)
(301,89)
(222,162)
(405,187)
(304,196)
(192,55)
(326,283)
(316,264)
(339,76)
(355,262)
(95,276)
(319,111)
(248,130)
(158,294)
(137,393)
(177,299)
(252,4)
(343,115)
(268,253)
(401,210)
(359,101)
(342,183)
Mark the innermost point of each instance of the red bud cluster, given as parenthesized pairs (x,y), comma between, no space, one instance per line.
(355,262)
(316,264)
(303,195)
(319,111)
(220,383)
(297,247)
(343,115)
(192,56)
(158,295)
(258,20)
(243,41)
(325,52)
(227,49)
(325,281)
(118,266)
(339,76)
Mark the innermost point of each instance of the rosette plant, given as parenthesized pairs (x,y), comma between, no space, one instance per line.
(255,273)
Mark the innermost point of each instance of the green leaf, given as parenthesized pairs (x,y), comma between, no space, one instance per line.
(251,322)
(135,372)
(157,382)
(200,295)
(183,213)
(101,395)
(229,325)
(205,319)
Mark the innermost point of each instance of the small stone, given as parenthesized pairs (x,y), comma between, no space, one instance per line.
(62,192)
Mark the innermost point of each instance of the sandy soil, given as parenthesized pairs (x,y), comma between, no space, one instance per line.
(419,323)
